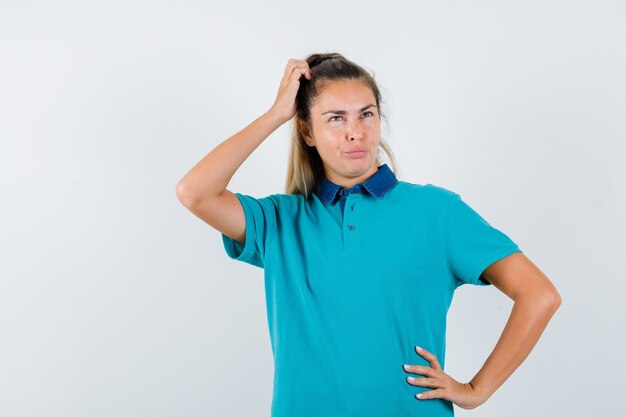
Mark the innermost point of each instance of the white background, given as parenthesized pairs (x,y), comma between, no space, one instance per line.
(117,301)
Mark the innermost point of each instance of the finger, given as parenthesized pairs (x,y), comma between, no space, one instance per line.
(427,395)
(302,69)
(295,63)
(421,370)
(432,359)
(290,64)
(425,382)
(296,75)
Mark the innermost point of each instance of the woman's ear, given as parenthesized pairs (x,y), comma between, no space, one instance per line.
(304,131)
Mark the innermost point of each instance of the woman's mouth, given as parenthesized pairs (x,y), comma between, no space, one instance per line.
(356,154)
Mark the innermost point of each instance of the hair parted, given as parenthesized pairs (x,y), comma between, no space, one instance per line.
(306,169)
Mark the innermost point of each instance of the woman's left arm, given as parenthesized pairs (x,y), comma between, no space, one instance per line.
(535,302)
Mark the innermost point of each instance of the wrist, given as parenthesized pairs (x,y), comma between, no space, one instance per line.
(482,391)
(275,117)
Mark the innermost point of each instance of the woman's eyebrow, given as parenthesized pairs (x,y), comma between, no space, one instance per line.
(344,112)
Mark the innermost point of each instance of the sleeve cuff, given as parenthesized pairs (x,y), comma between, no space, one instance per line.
(234,249)
(476,275)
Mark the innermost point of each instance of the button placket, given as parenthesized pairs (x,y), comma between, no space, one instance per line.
(350,222)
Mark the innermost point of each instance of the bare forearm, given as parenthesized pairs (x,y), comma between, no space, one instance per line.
(529,317)
(211,175)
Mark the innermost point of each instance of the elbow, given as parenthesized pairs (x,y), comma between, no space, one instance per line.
(551,300)
(547,295)
(555,299)
(191,193)
(180,191)
(547,299)
(183,195)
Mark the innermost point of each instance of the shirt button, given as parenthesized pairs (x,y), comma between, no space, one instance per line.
(340,191)
(351,226)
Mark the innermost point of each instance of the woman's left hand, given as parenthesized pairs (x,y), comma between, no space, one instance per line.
(462,394)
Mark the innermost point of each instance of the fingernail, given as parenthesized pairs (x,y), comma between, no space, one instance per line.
(418,348)
(410,378)
(405,367)
(418,395)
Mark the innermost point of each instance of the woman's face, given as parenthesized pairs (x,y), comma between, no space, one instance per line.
(345,119)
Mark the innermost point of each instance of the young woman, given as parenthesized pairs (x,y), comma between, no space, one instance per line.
(360,267)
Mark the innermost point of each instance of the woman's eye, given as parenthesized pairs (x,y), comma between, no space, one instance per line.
(367,112)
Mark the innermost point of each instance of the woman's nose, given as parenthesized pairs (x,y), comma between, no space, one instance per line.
(354,132)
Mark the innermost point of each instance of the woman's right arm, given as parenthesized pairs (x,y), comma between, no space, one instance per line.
(203,191)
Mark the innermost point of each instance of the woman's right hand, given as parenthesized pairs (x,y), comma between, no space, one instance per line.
(285,104)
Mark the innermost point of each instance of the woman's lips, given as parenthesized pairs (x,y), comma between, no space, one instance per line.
(356,154)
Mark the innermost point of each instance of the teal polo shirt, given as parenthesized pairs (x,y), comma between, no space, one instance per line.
(354,279)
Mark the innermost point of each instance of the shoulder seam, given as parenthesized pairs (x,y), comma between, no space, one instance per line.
(276,198)
(276,212)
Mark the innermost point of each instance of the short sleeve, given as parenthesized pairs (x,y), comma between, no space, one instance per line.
(472,244)
(261,227)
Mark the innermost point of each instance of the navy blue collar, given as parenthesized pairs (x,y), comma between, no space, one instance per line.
(377,185)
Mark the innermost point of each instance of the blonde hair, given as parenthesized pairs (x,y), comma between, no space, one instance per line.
(306,169)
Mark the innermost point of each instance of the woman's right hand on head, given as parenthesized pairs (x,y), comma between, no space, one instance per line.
(285,104)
